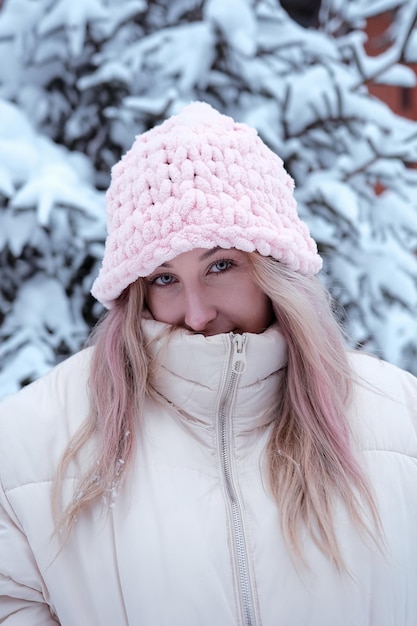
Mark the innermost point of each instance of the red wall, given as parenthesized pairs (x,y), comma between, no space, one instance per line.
(402,100)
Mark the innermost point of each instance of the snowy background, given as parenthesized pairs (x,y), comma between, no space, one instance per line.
(80,78)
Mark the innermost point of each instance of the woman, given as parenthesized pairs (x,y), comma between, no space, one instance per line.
(215,456)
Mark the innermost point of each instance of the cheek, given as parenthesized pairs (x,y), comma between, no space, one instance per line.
(253,307)
(263,311)
(160,310)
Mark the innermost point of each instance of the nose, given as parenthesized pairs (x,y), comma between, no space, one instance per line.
(199,311)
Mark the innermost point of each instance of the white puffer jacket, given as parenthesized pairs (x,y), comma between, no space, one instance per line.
(194,538)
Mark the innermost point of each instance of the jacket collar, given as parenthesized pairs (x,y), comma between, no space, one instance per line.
(192,370)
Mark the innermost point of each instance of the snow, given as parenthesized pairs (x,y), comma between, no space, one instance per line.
(41,319)
(236,21)
(397,75)
(16,230)
(367,8)
(410,54)
(334,194)
(74,18)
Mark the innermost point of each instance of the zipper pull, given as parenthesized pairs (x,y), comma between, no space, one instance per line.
(239,353)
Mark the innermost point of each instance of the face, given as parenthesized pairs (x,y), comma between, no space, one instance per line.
(208,292)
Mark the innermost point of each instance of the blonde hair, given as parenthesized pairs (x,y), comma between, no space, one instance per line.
(118,385)
(309,453)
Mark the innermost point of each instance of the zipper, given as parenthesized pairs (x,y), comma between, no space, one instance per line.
(237,365)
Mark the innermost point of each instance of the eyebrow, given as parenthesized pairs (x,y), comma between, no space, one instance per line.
(209,253)
(206,255)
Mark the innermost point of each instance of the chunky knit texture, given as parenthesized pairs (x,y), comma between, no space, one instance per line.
(199,180)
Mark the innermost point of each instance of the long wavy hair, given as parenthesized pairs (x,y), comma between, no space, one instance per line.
(310,457)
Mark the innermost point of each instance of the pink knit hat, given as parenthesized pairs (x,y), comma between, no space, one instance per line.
(199,180)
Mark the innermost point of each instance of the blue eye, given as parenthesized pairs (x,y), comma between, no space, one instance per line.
(222,265)
(163,280)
